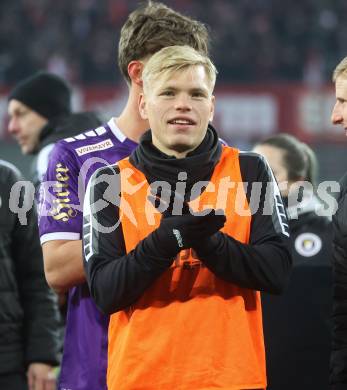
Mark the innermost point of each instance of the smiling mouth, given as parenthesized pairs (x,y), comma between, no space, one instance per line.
(183,122)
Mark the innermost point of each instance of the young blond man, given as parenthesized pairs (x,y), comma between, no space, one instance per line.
(147,30)
(181,288)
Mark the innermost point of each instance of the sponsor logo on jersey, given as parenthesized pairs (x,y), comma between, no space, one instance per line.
(94,147)
(62,209)
(308,244)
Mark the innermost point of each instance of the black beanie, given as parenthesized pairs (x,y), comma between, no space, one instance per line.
(46,93)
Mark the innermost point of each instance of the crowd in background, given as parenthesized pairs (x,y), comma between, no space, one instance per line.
(253,40)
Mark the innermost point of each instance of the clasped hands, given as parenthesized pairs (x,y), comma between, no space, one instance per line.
(184,228)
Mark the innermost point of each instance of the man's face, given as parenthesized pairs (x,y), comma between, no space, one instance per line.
(25,125)
(178,107)
(339,114)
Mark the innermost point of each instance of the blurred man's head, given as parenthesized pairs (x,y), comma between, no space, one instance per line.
(152,27)
(177,98)
(32,104)
(339,113)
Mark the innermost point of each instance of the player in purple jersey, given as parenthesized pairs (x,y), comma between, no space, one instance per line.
(73,160)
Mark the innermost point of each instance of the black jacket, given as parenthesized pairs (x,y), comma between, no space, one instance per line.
(29,319)
(297,325)
(117,279)
(338,363)
(55,130)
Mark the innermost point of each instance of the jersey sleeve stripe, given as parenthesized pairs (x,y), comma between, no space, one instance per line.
(59,236)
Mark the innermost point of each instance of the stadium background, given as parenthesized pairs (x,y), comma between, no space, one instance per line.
(275,60)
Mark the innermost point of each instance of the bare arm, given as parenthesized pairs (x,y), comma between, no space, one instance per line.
(63,264)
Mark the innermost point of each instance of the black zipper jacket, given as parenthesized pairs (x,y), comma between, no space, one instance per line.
(117,279)
(338,362)
(297,324)
(29,318)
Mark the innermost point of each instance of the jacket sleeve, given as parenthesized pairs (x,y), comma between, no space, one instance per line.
(338,361)
(116,279)
(41,316)
(265,262)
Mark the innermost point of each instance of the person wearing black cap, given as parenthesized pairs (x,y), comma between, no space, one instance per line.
(39,109)
(40,114)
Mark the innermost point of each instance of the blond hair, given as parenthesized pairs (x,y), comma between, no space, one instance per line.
(174,58)
(340,70)
(153,26)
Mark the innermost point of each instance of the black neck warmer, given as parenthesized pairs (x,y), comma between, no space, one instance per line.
(198,164)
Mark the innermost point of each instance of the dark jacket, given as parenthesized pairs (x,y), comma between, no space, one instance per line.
(297,326)
(29,318)
(55,130)
(117,279)
(338,362)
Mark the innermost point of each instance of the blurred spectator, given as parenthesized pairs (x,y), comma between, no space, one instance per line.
(297,325)
(29,318)
(313,69)
(57,64)
(40,114)
(262,40)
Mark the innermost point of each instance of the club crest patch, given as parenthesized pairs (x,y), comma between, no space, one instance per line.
(308,244)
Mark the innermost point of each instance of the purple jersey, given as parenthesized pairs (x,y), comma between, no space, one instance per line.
(72,162)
